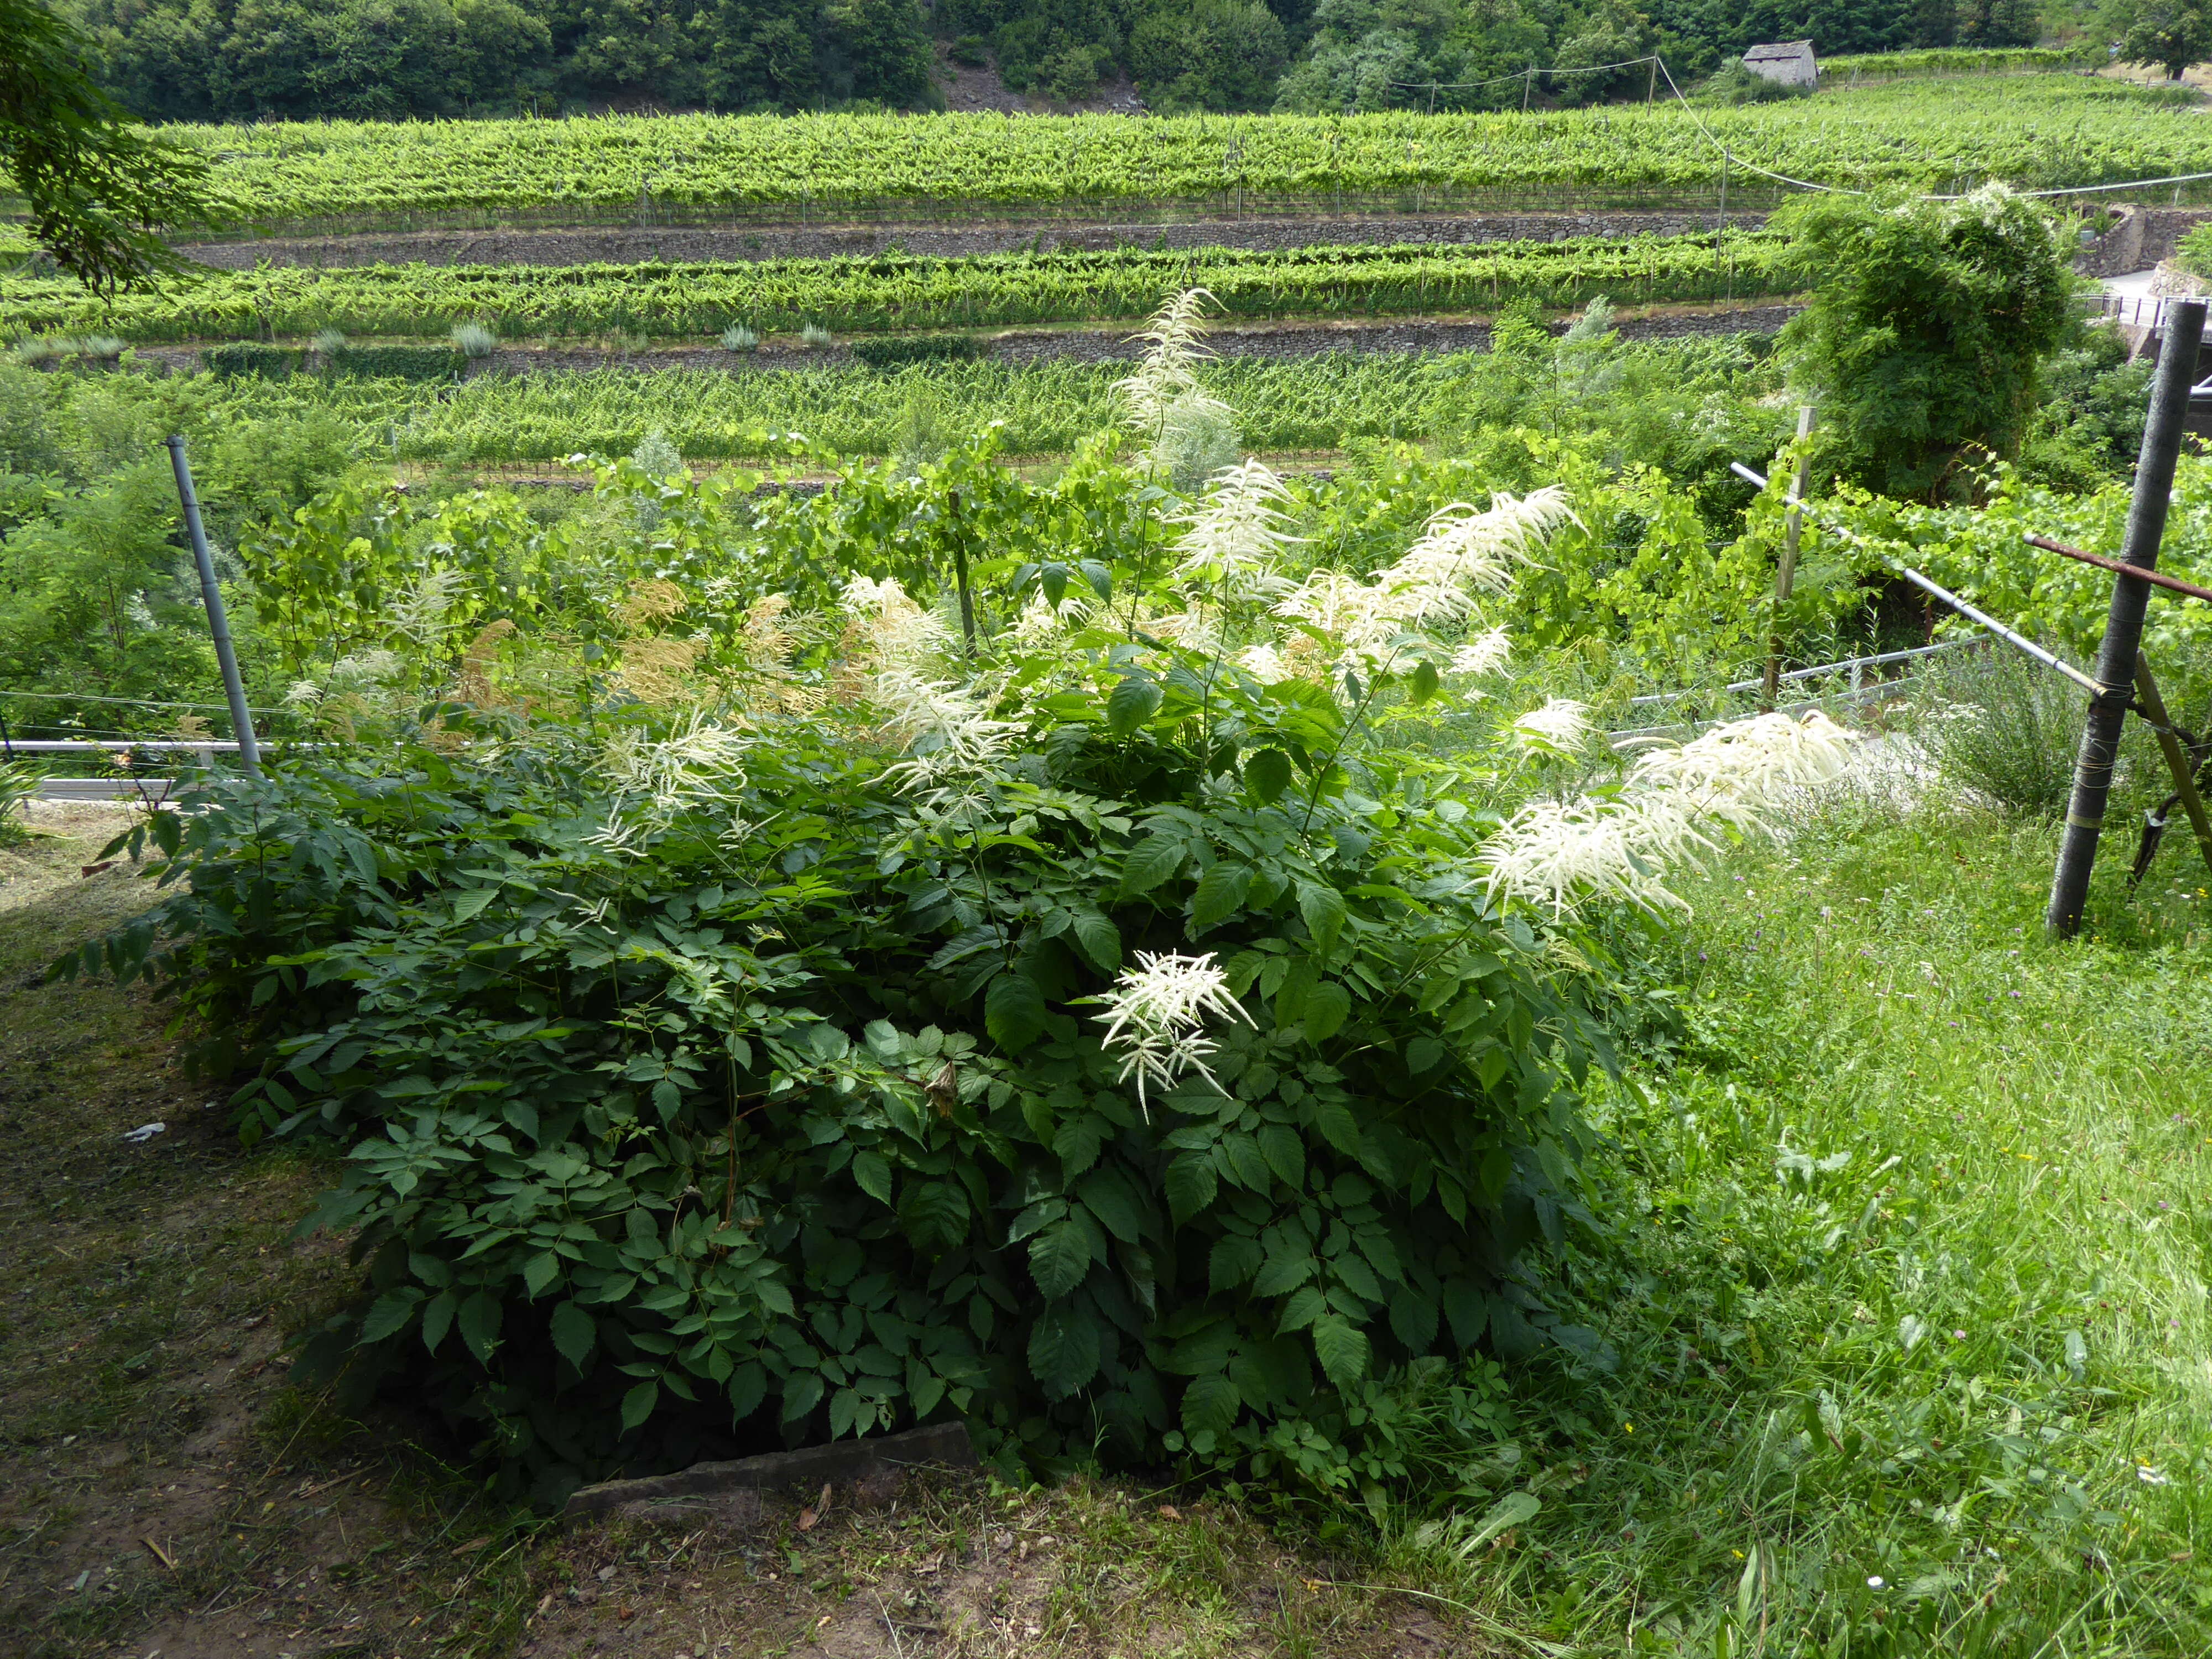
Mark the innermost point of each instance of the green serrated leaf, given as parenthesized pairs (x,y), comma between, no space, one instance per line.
(1099,940)
(1284,1152)
(391,1314)
(637,1405)
(1233,1259)
(479,1325)
(1328,1006)
(1013,1010)
(1131,703)
(540,1271)
(1266,775)
(1246,1166)
(1060,1258)
(1107,1196)
(1063,1350)
(871,1172)
(935,1215)
(1075,1143)
(574,1333)
(1191,1185)
(1210,1402)
(438,1319)
(1151,862)
(1220,893)
(1323,907)
(1341,1350)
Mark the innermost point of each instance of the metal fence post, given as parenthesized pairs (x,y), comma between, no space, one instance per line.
(2117,656)
(234,688)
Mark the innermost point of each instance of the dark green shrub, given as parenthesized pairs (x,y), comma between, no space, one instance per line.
(397,363)
(249,358)
(657,1148)
(897,350)
(2006,728)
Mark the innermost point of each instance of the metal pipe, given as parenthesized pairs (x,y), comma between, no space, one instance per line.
(2156,578)
(2018,642)
(2124,623)
(249,752)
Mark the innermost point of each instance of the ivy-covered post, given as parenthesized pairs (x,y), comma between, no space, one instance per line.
(2183,330)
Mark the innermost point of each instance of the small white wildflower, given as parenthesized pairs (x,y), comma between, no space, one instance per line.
(1485,653)
(1155,1014)
(1559,727)
(2149,1476)
(1874,1582)
(303,693)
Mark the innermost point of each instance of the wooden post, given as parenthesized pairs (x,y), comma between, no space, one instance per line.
(2177,759)
(960,573)
(2117,656)
(1785,569)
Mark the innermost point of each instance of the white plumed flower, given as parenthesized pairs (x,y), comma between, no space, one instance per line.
(1556,855)
(890,620)
(947,731)
(1168,371)
(1156,1014)
(1264,664)
(1485,653)
(1462,550)
(1560,726)
(1236,531)
(1738,770)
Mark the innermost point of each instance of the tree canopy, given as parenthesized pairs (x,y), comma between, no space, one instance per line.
(98,191)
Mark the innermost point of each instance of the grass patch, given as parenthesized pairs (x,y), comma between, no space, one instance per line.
(1912,1322)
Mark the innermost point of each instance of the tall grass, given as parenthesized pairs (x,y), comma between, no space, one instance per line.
(1913,1348)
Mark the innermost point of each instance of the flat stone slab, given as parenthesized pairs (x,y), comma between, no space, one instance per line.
(840,1462)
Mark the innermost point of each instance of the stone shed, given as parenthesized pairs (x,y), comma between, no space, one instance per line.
(1789,62)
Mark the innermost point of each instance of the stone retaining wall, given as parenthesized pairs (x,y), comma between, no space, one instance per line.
(1274,340)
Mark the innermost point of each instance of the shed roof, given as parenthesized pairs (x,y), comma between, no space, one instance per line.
(1778,51)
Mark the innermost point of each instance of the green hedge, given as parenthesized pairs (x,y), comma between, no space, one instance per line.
(250,360)
(397,363)
(900,350)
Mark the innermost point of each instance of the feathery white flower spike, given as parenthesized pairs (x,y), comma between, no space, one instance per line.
(1738,770)
(1156,1013)
(1236,531)
(1557,856)
(1462,551)
(1264,664)
(1485,653)
(948,733)
(1168,370)
(1559,727)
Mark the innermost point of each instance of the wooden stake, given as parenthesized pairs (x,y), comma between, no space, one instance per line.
(960,574)
(1785,570)
(2177,759)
